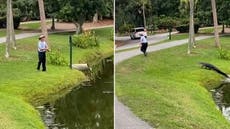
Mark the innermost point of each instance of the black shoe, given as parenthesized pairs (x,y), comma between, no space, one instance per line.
(145,53)
(43,70)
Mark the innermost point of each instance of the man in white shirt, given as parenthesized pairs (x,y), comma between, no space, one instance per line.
(42,48)
(144,44)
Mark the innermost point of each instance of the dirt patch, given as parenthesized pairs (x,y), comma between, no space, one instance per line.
(86,26)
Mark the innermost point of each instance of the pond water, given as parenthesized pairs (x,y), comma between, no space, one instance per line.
(221,96)
(85,107)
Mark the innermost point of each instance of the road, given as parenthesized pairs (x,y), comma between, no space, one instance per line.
(134,43)
(124,118)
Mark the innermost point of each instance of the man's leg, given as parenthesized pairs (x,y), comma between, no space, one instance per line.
(39,60)
(44,62)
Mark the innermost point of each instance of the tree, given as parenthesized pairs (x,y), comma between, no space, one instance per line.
(10,29)
(191,27)
(43,18)
(78,11)
(217,42)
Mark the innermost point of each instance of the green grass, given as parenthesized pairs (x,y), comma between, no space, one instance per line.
(209,30)
(22,86)
(3,32)
(169,90)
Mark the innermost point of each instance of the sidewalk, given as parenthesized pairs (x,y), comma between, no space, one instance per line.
(123,115)
(87,26)
(120,56)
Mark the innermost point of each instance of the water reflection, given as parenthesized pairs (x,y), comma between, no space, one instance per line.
(86,107)
(222,99)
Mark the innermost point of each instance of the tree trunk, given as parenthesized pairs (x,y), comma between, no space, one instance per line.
(7,55)
(217,42)
(43,18)
(191,27)
(95,17)
(223,31)
(78,27)
(144,19)
(53,23)
(10,29)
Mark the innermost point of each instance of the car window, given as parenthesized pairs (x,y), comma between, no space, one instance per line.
(138,30)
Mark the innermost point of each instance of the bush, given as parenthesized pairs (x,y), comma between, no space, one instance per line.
(125,28)
(185,28)
(85,40)
(56,58)
(167,23)
(183,25)
(224,54)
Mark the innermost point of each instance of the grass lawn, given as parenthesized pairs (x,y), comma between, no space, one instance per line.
(3,32)
(169,90)
(209,30)
(22,86)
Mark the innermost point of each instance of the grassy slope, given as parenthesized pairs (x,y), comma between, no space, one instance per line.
(19,78)
(169,90)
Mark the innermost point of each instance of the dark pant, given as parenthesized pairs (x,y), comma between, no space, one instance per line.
(144,47)
(42,60)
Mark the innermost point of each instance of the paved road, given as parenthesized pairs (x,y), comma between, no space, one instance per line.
(134,43)
(124,118)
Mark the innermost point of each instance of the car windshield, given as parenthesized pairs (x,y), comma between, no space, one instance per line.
(138,30)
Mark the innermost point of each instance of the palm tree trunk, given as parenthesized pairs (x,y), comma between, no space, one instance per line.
(191,27)
(8,28)
(217,42)
(144,19)
(12,27)
(43,18)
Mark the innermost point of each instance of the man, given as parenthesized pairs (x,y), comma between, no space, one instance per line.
(42,48)
(143,44)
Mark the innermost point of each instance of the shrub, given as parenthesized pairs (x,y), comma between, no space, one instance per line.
(16,22)
(85,40)
(185,28)
(224,54)
(166,23)
(56,58)
(125,28)
(183,25)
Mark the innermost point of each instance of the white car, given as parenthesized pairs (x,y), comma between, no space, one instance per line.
(135,32)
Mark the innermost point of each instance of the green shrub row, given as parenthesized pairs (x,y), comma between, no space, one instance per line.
(185,28)
(85,40)
(3,22)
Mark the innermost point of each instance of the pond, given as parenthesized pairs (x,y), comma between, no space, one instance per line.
(85,107)
(221,96)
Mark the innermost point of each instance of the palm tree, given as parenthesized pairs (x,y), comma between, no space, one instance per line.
(217,42)
(10,29)
(191,27)
(43,18)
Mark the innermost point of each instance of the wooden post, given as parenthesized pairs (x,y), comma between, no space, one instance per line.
(70,51)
